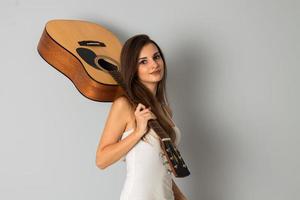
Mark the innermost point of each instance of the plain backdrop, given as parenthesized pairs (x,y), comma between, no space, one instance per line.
(233,84)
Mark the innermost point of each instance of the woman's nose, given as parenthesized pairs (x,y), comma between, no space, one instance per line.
(154,64)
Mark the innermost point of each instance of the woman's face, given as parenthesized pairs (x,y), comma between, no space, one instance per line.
(150,65)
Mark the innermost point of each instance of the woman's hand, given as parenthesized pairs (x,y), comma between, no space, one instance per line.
(142,115)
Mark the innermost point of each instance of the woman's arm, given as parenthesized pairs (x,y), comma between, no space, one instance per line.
(110,149)
(177,193)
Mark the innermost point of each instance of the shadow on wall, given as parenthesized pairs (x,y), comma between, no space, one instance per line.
(204,151)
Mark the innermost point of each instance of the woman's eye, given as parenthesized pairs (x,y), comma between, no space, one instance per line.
(155,57)
(143,62)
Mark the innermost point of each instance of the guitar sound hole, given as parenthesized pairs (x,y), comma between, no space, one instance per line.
(107,65)
(87,55)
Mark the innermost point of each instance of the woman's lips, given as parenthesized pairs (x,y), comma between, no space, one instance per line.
(156,72)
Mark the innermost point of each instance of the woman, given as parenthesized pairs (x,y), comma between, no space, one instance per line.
(126,134)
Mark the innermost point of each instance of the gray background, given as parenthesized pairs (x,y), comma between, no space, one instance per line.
(233,85)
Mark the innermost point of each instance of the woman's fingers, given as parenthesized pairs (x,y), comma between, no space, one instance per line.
(143,111)
(139,107)
(150,115)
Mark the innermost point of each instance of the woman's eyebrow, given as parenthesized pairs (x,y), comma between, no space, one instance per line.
(146,57)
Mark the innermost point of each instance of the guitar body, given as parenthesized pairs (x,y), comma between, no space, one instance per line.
(63,45)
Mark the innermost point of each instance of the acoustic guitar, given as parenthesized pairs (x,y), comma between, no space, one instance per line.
(88,54)
(63,41)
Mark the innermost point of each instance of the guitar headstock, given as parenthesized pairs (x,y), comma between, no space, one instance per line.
(176,162)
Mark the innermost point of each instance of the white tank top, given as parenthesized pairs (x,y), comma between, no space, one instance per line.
(148,175)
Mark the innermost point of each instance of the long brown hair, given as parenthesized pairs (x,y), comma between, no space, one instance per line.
(138,91)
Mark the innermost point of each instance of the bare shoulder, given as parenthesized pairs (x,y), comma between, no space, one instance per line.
(122,107)
(122,101)
(116,122)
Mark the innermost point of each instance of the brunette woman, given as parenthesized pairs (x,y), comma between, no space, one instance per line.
(127,136)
